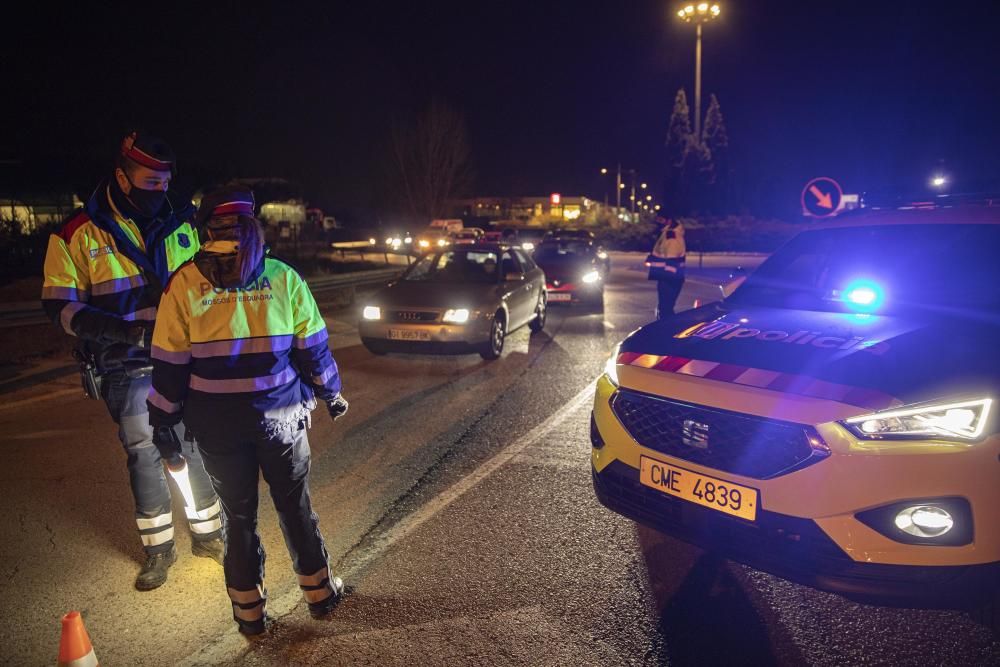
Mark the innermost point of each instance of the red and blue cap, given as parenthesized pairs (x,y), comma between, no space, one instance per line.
(148,151)
(226,201)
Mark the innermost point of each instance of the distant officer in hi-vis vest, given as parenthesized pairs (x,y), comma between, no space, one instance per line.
(241,352)
(104,272)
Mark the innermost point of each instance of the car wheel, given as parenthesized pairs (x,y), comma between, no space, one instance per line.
(538,323)
(373,346)
(494,346)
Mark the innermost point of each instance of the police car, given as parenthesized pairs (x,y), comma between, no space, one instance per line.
(833,421)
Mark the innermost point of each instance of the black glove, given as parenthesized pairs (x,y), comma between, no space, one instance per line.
(168,444)
(133,334)
(337,407)
(140,336)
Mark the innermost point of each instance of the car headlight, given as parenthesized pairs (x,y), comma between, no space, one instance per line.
(611,365)
(457,315)
(442,242)
(371,241)
(388,241)
(963,420)
(591,277)
(528,245)
(602,255)
(372,313)
(424,243)
(408,239)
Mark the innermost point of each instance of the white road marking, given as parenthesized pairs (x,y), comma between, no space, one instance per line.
(461,487)
(45,397)
(226,646)
(608,325)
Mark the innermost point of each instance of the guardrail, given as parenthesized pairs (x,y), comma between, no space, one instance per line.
(24,314)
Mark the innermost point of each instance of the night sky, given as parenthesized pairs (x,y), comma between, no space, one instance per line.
(876,95)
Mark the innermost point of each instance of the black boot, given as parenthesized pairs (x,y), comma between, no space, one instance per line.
(214,549)
(154,572)
(320,609)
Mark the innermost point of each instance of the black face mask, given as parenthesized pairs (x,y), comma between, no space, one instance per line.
(147,202)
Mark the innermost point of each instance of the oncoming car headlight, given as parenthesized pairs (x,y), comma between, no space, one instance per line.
(591,277)
(611,365)
(964,420)
(424,243)
(456,315)
(372,313)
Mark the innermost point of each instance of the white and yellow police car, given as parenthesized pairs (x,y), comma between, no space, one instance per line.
(833,421)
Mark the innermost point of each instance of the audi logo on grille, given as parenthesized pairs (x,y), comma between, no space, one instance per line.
(408,315)
(695,434)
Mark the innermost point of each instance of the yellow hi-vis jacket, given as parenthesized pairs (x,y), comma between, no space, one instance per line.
(253,356)
(102,272)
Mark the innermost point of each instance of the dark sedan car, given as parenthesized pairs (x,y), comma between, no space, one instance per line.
(456,300)
(575,270)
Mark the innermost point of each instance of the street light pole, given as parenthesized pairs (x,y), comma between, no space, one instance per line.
(698,14)
(618,190)
(697,85)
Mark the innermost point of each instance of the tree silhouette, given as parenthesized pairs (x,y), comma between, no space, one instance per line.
(431,159)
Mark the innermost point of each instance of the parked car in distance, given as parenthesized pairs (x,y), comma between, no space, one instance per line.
(467,236)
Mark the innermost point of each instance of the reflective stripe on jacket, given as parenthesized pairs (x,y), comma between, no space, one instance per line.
(260,350)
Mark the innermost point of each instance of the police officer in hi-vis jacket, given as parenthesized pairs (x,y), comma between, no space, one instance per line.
(104,272)
(240,351)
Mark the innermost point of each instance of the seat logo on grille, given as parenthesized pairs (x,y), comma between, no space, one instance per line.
(695,434)
(409,315)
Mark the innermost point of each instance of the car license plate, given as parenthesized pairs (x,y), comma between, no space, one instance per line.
(408,334)
(560,296)
(700,489)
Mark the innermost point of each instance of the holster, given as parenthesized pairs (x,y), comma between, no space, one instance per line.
(90,378)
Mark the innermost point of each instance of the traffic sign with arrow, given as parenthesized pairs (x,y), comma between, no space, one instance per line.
(821,198)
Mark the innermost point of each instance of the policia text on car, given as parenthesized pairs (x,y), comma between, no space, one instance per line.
(241,351)
(104,272)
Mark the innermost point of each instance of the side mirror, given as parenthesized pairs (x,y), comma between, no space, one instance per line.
(513,276)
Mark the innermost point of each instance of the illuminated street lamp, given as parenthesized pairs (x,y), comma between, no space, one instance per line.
(642,185)
(938,181)
(649,197)
(604,170)
(698,14)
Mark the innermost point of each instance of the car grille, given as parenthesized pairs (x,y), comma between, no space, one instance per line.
(413,316)
(751,446)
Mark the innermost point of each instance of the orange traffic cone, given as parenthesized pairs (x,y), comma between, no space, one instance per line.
(75,649)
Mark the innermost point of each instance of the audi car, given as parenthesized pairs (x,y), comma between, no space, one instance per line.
(457,300)
(575,270)
(832,421)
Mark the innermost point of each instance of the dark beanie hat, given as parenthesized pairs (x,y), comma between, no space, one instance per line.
(148,151)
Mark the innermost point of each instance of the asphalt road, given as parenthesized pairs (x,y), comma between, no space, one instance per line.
(455,498)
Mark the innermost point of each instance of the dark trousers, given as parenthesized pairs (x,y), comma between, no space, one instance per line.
(667,291)
(233,461)
(125,398)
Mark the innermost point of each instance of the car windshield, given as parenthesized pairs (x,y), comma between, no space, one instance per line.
(562,250)
(946,269)
(456,266)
